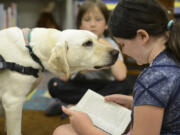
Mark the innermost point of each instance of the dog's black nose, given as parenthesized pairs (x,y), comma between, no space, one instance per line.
(114,53)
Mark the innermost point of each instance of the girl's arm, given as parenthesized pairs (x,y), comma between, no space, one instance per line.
(147,120)
(119,70)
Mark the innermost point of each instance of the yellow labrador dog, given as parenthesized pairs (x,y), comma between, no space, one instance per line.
(60,52)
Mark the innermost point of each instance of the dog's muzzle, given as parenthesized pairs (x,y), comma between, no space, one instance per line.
(114,55)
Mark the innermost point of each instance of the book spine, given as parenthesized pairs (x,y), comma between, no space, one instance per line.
(8,17)
(2,16)
(13,14)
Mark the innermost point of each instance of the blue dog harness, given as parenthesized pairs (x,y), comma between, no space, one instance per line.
(19,68)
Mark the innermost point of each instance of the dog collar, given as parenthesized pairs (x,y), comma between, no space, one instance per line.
(26,34)
(27,39)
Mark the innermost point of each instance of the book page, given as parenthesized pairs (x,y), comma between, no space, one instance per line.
(108,116)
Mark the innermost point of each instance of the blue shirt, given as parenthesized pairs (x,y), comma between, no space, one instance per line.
(159,85)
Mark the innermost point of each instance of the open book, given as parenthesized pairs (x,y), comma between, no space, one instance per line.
(109,117)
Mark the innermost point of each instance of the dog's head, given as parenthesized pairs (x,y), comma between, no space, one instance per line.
(78,50)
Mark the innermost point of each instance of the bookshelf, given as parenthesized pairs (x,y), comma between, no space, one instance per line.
(177,10)
(8,16)
(28,12)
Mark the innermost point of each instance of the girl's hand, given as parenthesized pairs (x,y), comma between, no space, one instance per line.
(123,100)
(80,121)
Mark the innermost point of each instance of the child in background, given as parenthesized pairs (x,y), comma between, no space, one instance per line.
(143,30)
(92,16)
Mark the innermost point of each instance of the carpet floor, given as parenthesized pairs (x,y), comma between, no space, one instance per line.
(35,122)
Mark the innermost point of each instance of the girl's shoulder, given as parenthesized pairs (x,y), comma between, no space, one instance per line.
(157,82)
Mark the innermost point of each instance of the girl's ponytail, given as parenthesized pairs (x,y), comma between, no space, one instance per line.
(173,43)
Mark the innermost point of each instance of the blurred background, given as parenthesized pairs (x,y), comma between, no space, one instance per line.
(59,14)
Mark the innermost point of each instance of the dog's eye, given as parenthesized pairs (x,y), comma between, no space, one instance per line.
(88,43)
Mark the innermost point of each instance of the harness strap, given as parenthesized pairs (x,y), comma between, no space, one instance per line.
(18,68)
(27,38)
(34,57)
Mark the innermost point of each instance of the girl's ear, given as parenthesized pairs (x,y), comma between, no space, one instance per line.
(143,35)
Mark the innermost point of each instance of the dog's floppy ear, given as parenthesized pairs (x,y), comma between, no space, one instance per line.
(58,59)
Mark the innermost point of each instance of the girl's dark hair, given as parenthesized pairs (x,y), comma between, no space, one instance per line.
(89,4)
(131,15)
(47,20)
